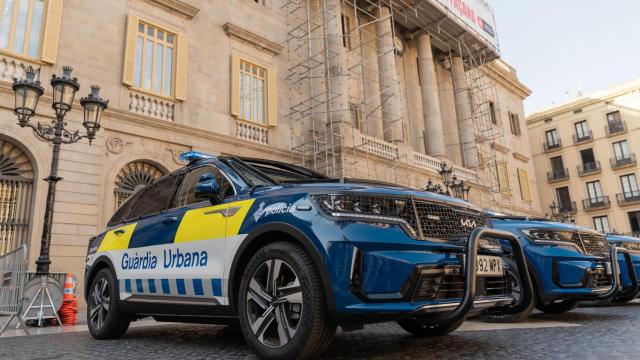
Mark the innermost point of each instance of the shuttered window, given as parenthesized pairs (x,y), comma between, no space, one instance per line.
(503,177)
(525,189)
(30,28)
(253,92)
(155,59)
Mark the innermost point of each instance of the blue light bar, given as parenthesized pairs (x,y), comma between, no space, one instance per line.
(191,156)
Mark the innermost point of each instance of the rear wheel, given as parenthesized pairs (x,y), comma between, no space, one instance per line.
(281,304)
(426,327)
(557,307)
(104,319)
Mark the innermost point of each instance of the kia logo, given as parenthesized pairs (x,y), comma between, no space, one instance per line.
(468,223)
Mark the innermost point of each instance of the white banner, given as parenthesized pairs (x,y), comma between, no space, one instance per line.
(476,15)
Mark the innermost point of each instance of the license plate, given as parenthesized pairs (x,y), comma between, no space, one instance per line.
(489,266)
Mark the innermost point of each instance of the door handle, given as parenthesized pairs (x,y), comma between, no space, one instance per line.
(119,232)
(170,220)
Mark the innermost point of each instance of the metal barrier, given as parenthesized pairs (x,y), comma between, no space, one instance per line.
(13,268)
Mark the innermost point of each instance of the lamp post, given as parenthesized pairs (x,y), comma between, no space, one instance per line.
(27,93)
(452,184)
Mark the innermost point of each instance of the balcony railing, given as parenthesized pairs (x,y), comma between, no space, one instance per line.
(628,198)
(596,203)
(623,162)
(568,207)
(615,127)
(589,168)
(552,146)
(577,139)
(558,175)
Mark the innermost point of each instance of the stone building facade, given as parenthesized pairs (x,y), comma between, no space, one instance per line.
(584,153)
(212,76)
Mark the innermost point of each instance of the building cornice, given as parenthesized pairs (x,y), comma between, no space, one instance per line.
(505,76)
(252,38)
(180,7)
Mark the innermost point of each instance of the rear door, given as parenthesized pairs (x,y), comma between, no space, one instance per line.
(153,225)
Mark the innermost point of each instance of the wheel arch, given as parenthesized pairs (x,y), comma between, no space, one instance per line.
(265,235)
(103,262)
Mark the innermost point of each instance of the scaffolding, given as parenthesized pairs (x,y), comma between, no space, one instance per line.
(336,49)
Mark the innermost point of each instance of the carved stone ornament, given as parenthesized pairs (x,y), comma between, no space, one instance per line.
(115,145)
(175,155)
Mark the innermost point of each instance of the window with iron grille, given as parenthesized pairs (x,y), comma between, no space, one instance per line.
(629,186)
(582,130)
(552,137)
(594,190)
(621,150)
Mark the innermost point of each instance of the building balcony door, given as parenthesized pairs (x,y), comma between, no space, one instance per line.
(634,222)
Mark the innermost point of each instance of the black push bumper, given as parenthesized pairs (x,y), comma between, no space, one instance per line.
(468,298)
(616,283)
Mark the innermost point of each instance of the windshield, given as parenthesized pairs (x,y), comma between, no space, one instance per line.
(259,172)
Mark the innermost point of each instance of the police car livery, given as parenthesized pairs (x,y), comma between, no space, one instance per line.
(289,254)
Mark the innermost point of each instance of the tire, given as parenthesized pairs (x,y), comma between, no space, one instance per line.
(559,307)
(104,319)
(425,327)
(281,288)
(496,317)
(624,299)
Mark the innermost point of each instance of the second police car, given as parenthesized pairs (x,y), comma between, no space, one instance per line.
(568,263)
(289,255)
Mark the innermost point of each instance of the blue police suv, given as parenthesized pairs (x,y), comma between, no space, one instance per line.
(627,274)
(567,263)
(288,254)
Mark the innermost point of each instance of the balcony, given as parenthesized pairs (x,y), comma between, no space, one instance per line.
(616,127)
(552,146)
(558,175)
(589,168)
(568,207)
(584,138)
(596,203)
(623,162)
(628,198)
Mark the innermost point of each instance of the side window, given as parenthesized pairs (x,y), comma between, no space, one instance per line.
(187,192)
(123,211)
(155,197)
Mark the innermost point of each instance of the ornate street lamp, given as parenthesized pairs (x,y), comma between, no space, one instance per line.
(555,210)
(27,92)
(452,184)
(445,172)
(432,187)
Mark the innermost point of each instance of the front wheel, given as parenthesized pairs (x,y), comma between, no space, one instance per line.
(104,319)
(557,307)
(281,304)
(425,327)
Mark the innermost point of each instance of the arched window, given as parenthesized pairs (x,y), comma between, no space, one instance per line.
(132,177)
(16,192)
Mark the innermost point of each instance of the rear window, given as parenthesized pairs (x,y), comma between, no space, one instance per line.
(155,198)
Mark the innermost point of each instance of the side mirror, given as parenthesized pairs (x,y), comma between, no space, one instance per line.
(207,187)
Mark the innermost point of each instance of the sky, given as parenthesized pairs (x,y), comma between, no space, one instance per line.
(560,46)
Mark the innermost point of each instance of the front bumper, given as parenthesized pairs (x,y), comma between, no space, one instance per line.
(629,264)
(398,302)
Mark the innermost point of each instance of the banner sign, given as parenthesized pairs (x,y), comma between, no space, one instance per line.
(476,15)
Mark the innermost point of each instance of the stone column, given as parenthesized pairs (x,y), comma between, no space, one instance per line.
(434,135)
(388,77)
(337,87)
(463,112)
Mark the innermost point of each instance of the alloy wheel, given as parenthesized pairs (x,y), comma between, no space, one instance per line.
(274,303)
(99,304)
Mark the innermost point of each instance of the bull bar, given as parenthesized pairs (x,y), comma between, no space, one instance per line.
(467,302)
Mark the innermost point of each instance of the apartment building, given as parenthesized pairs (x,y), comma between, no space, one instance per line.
(370,91)
(584,152)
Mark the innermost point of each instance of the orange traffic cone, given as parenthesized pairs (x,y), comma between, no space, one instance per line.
(69,302)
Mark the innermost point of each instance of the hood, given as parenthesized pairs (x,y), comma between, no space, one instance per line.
(360,187)
(541,224)
(622,238)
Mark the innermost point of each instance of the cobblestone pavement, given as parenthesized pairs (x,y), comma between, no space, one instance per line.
(611,333)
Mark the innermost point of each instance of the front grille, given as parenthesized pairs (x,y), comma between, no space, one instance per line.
(590,243)
(447,222)
(598,280)
(444,287)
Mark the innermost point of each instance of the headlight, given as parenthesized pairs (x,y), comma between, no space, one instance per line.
(544,235)
(367,207)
